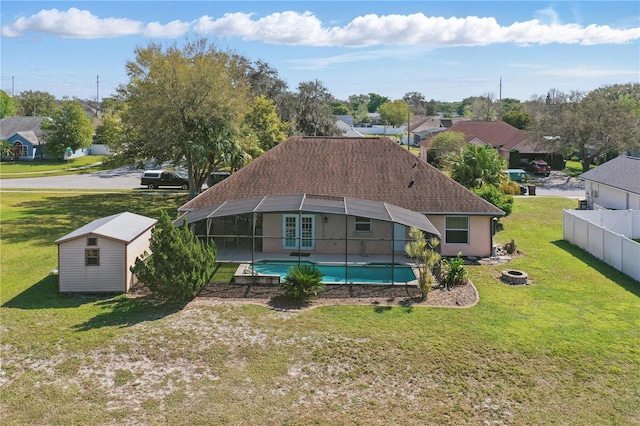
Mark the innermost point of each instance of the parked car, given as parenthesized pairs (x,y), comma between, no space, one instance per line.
(539,167)
(157,178)
(519,176)
(217,176)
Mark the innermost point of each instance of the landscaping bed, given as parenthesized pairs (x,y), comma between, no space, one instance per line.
(343,294)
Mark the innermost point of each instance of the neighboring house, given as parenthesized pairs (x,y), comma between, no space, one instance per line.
(340,196)
(345,124)
(516,146)
(96,257)
(614,185)
(25,134)
(424,127)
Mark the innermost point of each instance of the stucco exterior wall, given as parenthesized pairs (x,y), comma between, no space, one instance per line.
(330,236)
(480,240)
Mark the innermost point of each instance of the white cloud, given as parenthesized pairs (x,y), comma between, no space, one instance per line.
(289,28)
(171,30)
(9,32)
(292,28)
(75,23)
(548,15)
(305,29)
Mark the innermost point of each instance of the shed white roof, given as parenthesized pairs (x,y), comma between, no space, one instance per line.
(124,227)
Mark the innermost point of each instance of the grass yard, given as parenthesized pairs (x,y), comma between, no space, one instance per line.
(36,168)
(564,350)
(574,168)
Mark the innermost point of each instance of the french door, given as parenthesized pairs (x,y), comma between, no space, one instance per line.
(298,232)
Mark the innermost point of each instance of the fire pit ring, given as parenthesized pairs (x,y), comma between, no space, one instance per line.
(514,277)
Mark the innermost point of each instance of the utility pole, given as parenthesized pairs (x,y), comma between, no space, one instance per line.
(501,89)
(408,126)
(13,86)
(97,94)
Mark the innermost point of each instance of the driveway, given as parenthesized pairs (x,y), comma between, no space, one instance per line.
(559,184)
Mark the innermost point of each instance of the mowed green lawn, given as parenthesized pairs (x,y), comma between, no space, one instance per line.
(564,350)
(44,168)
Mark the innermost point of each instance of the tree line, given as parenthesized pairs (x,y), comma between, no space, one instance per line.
(204,108)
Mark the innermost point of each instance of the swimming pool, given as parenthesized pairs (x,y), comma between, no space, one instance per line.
(376,273)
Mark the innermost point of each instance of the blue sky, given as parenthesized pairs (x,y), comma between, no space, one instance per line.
(446,50)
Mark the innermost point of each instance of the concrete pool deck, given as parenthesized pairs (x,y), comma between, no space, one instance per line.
(244,256)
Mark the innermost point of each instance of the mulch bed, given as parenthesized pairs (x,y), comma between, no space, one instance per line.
(344,294)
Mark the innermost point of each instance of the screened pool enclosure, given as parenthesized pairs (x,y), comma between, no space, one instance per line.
(311,228)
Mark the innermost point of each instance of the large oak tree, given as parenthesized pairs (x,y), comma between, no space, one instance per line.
(34,103)
(185,106)
(591,124)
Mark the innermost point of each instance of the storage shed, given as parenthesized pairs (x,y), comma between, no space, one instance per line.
(96,257)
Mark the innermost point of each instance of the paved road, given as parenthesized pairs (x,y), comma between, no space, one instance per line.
(122,178)
(560,185)
(557,184)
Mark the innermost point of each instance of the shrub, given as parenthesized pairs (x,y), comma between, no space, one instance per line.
(510,188)
(180,264)
(510,247)
(496,197)
(302,282)
(454,273)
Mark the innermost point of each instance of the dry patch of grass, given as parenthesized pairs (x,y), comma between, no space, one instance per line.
(563,350)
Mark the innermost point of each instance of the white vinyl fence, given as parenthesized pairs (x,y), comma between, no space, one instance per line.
(607,235)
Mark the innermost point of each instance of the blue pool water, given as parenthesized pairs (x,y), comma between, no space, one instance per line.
(378,273)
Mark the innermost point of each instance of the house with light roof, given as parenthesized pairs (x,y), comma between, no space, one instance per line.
(25,135)
(613,185)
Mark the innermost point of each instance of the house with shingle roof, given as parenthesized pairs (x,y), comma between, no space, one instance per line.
(25,134)
(614,185)
(337,195)
(516,146)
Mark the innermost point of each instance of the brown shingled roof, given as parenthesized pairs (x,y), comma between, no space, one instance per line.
(375,169)
(498,134)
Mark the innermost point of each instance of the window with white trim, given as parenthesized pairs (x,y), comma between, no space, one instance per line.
(20,149)
(457,229)
(363,224)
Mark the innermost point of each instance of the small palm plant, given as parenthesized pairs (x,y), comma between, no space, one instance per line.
(302,282)
(454,273)
(423,254)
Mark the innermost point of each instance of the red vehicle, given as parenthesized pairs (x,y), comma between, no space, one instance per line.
(539,167)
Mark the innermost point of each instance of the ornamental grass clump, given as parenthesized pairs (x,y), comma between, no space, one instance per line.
(302,282)
(454,273)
